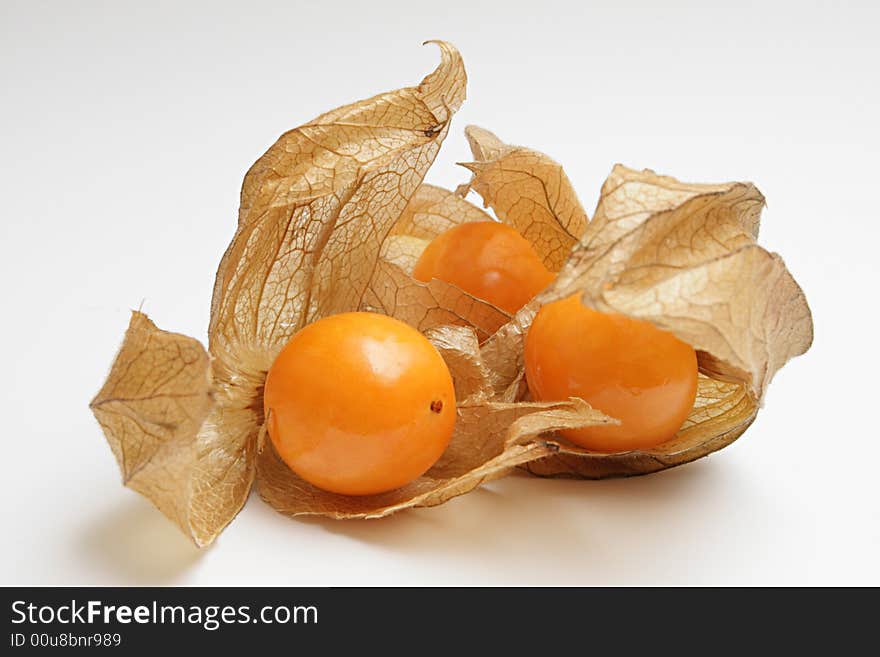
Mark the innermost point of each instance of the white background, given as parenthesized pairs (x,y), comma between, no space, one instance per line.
(126,130)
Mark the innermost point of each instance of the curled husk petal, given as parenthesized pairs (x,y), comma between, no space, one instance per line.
(293,496)
(179,439)
(529,191)
(317,206)
(722,412)
(460,348)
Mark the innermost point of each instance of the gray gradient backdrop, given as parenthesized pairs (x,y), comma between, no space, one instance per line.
(125,129)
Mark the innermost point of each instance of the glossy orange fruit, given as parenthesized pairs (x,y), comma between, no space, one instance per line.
(629,369)
(487,259)
(359,403)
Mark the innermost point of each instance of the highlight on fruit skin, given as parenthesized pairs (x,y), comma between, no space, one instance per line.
(359,404)
(333,219)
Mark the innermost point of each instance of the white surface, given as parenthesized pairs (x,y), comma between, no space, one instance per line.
(125,134)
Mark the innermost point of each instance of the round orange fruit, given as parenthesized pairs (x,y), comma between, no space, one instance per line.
(627,368)
(359,403)
(488,260)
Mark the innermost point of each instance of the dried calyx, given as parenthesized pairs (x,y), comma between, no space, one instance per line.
(333,218)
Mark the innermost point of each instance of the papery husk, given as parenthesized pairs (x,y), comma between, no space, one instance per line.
(685,258)
(317,206)
(433,210)
(178,437)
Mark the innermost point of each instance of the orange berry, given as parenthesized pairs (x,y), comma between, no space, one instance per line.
(627,368)
(488,260)
(359,403)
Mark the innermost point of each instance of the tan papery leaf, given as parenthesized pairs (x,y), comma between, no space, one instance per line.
(529,191)
(394,292)
(460,348)
(318,205)
(293,496)
(433,210)
(177,440)
(403,251)
(629,197)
